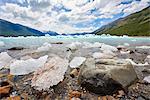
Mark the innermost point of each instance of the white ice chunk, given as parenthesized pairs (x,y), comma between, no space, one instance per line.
(90,45)
(2,44)
(45,47)
(74,45)
(139,64)
(108,47)
(148,59)
(99,55)
(143,47)
(76,62)
(147,79)
(5,60)
(22,67)
(126,44)
(124,52)
(50,74)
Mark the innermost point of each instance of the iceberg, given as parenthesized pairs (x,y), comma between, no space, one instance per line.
(22,67)
(76,62)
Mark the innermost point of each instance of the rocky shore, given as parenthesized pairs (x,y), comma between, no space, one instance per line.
(75,71)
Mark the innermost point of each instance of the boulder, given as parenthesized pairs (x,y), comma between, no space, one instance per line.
(106,76)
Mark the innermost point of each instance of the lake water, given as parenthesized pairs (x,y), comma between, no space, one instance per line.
(32,41)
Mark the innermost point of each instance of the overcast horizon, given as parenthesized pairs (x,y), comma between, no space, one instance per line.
(68,16)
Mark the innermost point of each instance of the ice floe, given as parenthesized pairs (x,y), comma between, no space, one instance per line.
(76,62)
(22,67)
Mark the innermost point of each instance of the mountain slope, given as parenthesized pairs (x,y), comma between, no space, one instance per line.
(137,24)
(11,29)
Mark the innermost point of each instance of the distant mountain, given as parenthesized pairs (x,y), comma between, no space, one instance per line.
(10,29)
(73,34)
(136,24)
(51,33)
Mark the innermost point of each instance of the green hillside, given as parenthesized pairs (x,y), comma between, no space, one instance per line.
(137,24)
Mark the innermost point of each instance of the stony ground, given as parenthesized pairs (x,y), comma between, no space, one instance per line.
(18,87)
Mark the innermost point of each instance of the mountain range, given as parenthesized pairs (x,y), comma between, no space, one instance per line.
(136,24)
(11,29)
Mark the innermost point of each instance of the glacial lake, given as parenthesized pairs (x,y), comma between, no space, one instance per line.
(32,41)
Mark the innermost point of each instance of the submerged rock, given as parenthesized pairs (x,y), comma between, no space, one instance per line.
(76,62)
(22,67)
(106,76)
(16,48)
(50,74)
(5,60)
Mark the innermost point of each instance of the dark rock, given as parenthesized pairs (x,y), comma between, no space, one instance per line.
(106,77)
(16,48)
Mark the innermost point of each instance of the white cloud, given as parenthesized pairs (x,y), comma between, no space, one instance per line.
(63,16)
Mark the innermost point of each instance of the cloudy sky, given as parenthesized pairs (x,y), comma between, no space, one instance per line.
(68,16)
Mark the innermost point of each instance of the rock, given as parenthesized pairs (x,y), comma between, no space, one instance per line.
(74,73)
(22,67)
(16,48)
(147,79)
(14,98)
(77,62)
(5,89)
(50,74)
(106,76)
(5,59)
(45,47)
(75,94)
